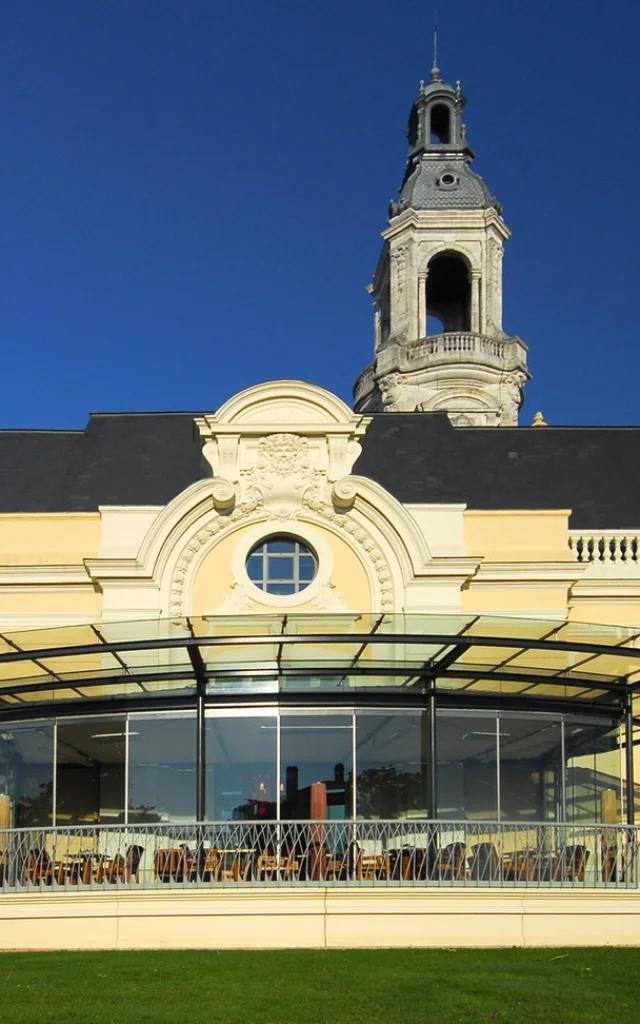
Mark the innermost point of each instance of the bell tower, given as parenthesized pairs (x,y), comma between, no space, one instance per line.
(437,289)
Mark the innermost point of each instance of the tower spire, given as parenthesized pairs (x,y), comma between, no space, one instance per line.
(435,70)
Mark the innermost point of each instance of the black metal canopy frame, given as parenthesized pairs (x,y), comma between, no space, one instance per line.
(325,659)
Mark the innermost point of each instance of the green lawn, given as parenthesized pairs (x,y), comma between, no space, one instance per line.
(324,987)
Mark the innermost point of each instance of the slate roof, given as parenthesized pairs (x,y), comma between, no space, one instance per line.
(422,189)
(149,458)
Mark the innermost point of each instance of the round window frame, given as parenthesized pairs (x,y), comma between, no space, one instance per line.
(453,184)
(260,535)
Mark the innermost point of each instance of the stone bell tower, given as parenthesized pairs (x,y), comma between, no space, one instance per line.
(437,289)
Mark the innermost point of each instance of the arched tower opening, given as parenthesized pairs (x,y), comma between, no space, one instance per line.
(448,293)
(440,124)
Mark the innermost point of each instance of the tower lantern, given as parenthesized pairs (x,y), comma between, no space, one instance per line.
(437,289)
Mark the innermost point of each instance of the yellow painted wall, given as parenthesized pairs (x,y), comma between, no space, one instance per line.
(51,602)
(522,536)
(214,579)
(515,599)
(64,538)
(613,612)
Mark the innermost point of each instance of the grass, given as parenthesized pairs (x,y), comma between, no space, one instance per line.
(412,986)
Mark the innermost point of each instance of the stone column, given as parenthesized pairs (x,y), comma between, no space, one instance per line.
(475,301)
(422,303)
(377,327)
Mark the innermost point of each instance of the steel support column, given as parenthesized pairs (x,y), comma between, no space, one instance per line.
(630,787)
(201,754)
(432,763)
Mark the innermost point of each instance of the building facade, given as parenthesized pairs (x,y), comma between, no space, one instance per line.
(289,649)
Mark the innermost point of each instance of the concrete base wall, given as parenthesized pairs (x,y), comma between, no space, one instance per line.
(317,918)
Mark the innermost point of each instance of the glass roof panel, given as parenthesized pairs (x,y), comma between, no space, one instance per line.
(251,651)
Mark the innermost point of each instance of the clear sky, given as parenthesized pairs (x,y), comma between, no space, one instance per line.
(192,193)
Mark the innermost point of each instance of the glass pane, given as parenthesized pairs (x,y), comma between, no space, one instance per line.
(530,767)
(307,569)
(281,544)
(467,766)
(162,768)
(241,767)
(316,765)
(592,752)
(391,764)
(255,567)
(280,567)
(26,775)
(90,771)
(281,588)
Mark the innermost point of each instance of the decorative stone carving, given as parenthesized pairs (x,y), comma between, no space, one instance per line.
(280,476)
(391,391)
(329,600)
(238,600)
(512,397)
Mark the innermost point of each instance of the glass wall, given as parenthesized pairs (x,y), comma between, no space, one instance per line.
(530,767)
(90,771)
(391,780)
(517,766)
(467,772)
(261,763)
(26,775)
(241,765)
(592,753)
(162,767)
(316,764)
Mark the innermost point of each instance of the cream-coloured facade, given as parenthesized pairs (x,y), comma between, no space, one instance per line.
(281,457)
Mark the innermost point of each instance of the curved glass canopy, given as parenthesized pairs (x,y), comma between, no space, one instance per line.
(334,656)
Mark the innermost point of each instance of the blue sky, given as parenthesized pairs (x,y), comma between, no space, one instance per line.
(192,193)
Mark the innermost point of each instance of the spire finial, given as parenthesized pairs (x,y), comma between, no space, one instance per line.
(435,70)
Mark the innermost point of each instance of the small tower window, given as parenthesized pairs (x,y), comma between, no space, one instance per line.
(440,124)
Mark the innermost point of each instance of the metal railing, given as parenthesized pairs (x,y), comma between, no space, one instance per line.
(311,853)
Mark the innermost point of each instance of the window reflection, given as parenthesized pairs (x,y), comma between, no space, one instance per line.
(162,768)
(316,764)
(530,767)
(391,764)
(26,775)
(592,751)
(466,746)
(241,766)
(90,769)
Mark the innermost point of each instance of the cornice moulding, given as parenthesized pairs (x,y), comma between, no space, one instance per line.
(41,575)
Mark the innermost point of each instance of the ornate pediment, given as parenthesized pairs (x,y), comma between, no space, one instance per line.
(258,465)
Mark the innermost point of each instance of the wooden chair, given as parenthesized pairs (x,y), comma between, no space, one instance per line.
(164,864)
(484,865)
(609,861)
(269,865)
(520,866)
(372,867)
(571,863)
(38,868)
(336,869)
(449,862)
(121,868)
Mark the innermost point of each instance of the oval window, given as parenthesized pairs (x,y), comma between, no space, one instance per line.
(282,565)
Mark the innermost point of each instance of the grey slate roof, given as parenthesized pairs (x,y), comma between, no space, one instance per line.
(422,190)
(149,458)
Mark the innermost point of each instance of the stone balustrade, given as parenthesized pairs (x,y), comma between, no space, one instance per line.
(610,546)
